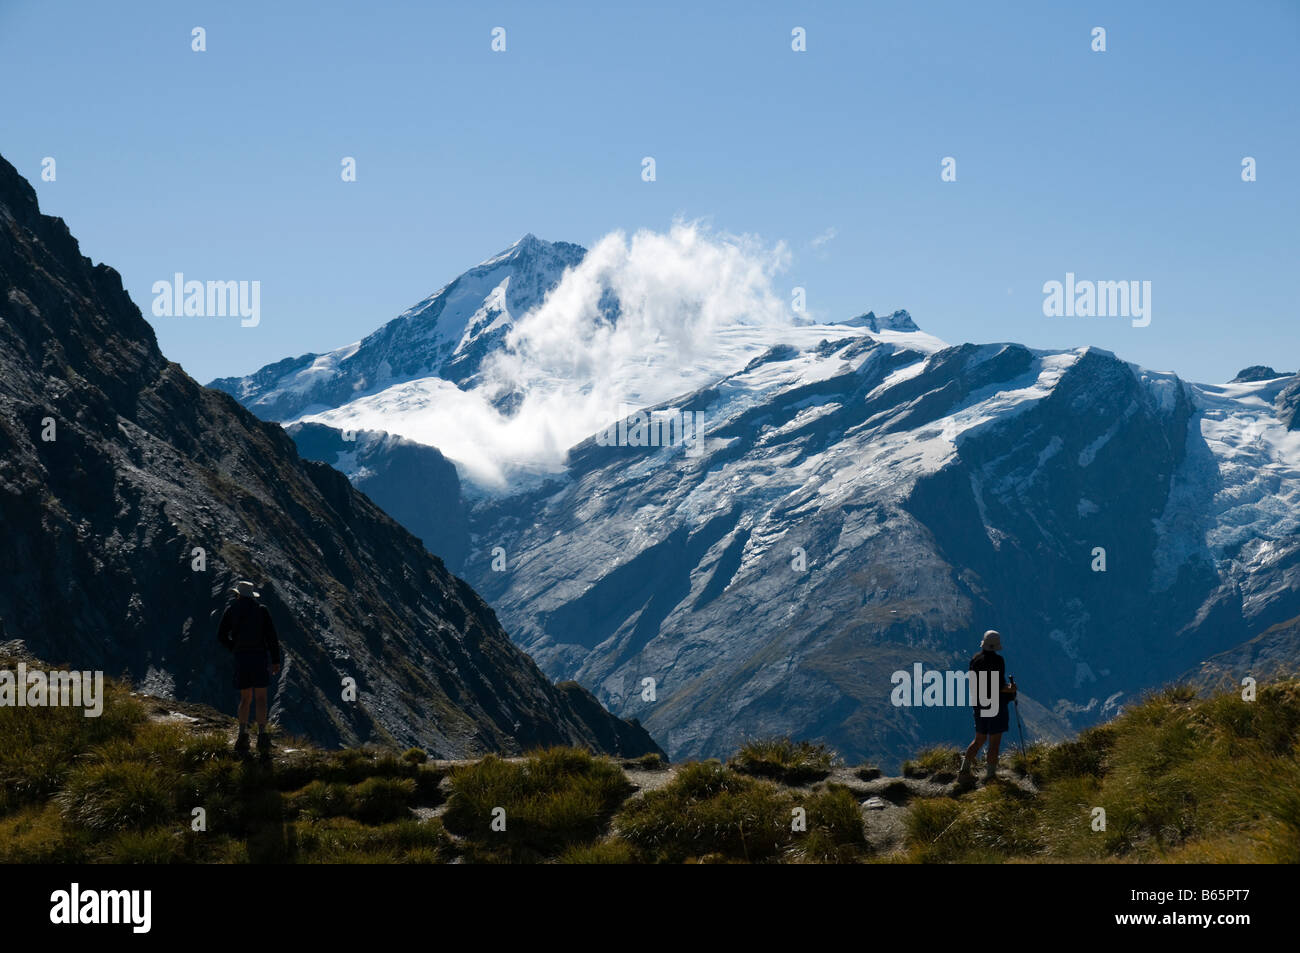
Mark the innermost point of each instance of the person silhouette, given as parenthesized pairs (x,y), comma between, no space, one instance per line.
(247,632)
(989,727)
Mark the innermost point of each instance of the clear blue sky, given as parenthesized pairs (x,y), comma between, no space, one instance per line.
(1115,165)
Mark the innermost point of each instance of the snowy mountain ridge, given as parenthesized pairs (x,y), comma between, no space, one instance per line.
(866,498)
(446,336)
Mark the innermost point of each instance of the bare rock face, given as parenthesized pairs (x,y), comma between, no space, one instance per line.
(1258,372)
(131,498)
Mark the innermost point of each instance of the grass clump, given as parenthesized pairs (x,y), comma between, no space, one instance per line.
(611,851)
(122,788)
(375,800)
(835,831)
(343,840)
(558,797)
(932,761)
(378,800)
(652,761)
(38,834)
(38,746)
(1175,778)
(780,759)
(117,796)
(709,811)
(415,756)
(158,845)
(991,824)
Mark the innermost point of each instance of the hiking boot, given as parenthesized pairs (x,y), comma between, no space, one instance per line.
(263,741)
(990,773)
(966,767)
(241,743)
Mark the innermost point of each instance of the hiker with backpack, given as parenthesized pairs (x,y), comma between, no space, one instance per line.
(248,633)
(989,728)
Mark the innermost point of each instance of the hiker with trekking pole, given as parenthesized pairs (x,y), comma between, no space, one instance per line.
(990,727)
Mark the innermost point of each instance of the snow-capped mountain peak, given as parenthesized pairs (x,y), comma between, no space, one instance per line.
(446,335)
(898,321)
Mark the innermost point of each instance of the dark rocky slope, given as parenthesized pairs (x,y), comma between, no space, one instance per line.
(101,524)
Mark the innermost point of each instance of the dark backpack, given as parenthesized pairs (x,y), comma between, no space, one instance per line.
(246,627)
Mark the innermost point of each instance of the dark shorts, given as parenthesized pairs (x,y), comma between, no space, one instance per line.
(252,670)
(995,724)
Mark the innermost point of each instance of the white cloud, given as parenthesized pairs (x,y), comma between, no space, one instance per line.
(825,237)
(693,306)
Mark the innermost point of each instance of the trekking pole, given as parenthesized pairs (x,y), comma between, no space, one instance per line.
(1020,725)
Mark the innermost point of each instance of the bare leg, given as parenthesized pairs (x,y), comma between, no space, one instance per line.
(995,742)
(261,707)
(974,748)
(245,702)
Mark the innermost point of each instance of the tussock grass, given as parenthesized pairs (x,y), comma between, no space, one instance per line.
(38,834)
(345,841)
(121,788)
(117,796)
(556,798)
(932,761)
(835,832)
(647,762)
(1180,779)
(38,745)
(155,846)
(709,811)
(612,851)
(780,759)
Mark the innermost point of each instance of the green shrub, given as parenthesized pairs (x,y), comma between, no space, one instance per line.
(349,766)
(1065,818)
